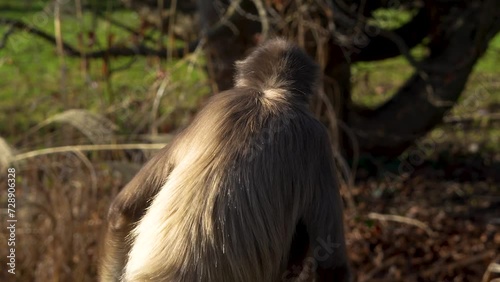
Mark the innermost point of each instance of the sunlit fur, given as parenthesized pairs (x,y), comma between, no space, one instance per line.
(231,189)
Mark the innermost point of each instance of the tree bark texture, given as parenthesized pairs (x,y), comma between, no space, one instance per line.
(458,37)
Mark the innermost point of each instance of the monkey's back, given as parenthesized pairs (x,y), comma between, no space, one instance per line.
(230,206)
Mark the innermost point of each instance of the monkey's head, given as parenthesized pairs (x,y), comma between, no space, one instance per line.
(279,66)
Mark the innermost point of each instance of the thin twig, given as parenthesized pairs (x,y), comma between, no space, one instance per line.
(263,18)
(385,264)
(472,118)
(494,267)
(347,172)
(93,174)
(171,23)
(123,26)
(226,20)
(458,264)
(105,147)
(402,219)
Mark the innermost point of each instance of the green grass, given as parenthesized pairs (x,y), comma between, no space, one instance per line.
(34,77)
(489,63)
(391,18)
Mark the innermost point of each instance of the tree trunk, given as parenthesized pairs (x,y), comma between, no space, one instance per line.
(227,40)
(459,35)
(434,88)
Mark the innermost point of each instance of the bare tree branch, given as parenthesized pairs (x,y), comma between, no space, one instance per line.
(381,133)
(218,29)
(116,51)
(263,18)
(16,24)
(123,26)
(5,37)
(384,45)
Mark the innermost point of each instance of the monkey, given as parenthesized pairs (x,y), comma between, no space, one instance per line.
(243,193)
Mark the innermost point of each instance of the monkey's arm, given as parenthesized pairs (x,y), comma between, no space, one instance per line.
(126,209)
(325,225)
(327,242)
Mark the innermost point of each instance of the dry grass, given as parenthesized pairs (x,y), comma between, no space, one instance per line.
(60,217)
(96,128)
(6,153)
(61,202)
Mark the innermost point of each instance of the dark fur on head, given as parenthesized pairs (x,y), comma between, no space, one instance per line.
(247,189)
(279,65)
